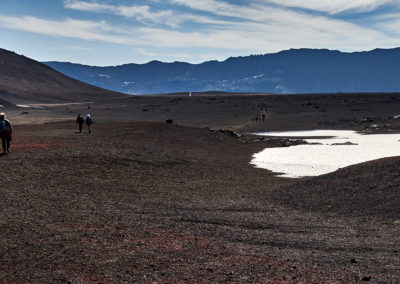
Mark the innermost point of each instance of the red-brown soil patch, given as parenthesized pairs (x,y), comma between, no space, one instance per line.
(37,146)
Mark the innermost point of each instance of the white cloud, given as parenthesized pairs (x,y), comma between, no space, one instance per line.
(389,23)
(284,30)
(264,29)
(72,47)
(257,8)
(255,28)
(141,13)
(87,6)
(69,28)
(317,32)
(205,5)
(333,6)
(175,56)
(249,12)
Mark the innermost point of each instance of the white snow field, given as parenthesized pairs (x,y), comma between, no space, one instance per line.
(313,160)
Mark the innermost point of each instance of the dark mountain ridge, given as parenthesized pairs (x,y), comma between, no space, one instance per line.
(289,71)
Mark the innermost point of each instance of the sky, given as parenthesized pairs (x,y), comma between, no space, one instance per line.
(115,32)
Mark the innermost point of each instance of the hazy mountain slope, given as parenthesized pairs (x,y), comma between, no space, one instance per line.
(23,79)
(291,71)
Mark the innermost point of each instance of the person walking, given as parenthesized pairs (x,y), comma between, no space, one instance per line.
(89,122)
(80,120)
(5,133)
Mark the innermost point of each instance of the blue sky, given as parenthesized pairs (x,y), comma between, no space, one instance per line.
(113,32)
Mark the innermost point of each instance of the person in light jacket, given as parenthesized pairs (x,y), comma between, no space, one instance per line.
(89,122)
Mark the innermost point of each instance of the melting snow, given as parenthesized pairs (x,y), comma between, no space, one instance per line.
(26,106)
(340,149)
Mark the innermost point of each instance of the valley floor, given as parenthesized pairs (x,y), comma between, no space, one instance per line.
(146,202)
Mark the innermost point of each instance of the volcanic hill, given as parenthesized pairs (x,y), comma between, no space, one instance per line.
(24,80)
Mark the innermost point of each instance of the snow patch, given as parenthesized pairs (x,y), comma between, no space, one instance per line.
(26,106)
(339,149)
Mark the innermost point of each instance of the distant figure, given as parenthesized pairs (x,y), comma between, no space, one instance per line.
(80,120)
(5,133)
(89,122)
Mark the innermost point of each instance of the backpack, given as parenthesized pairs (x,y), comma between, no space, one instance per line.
(3,125)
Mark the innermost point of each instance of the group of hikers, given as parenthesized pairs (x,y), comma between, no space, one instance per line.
(88,120)
(6,130)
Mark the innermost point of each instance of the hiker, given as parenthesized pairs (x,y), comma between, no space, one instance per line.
(5,133)
(89,122)
(80,120)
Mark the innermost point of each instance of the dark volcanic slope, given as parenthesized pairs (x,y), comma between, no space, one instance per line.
(26,80)
(368,190)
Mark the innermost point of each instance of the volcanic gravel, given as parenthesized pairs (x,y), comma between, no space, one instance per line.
(163,203)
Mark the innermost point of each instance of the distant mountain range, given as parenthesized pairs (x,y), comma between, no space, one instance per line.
(25,80)
(291,71)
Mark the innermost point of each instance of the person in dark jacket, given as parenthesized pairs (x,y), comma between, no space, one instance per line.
(5,133)
(80,120)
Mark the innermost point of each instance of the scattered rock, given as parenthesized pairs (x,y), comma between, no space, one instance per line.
(263,139)
(375,127)
(365,119)
(229,132)
(344,143)
(286,142)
